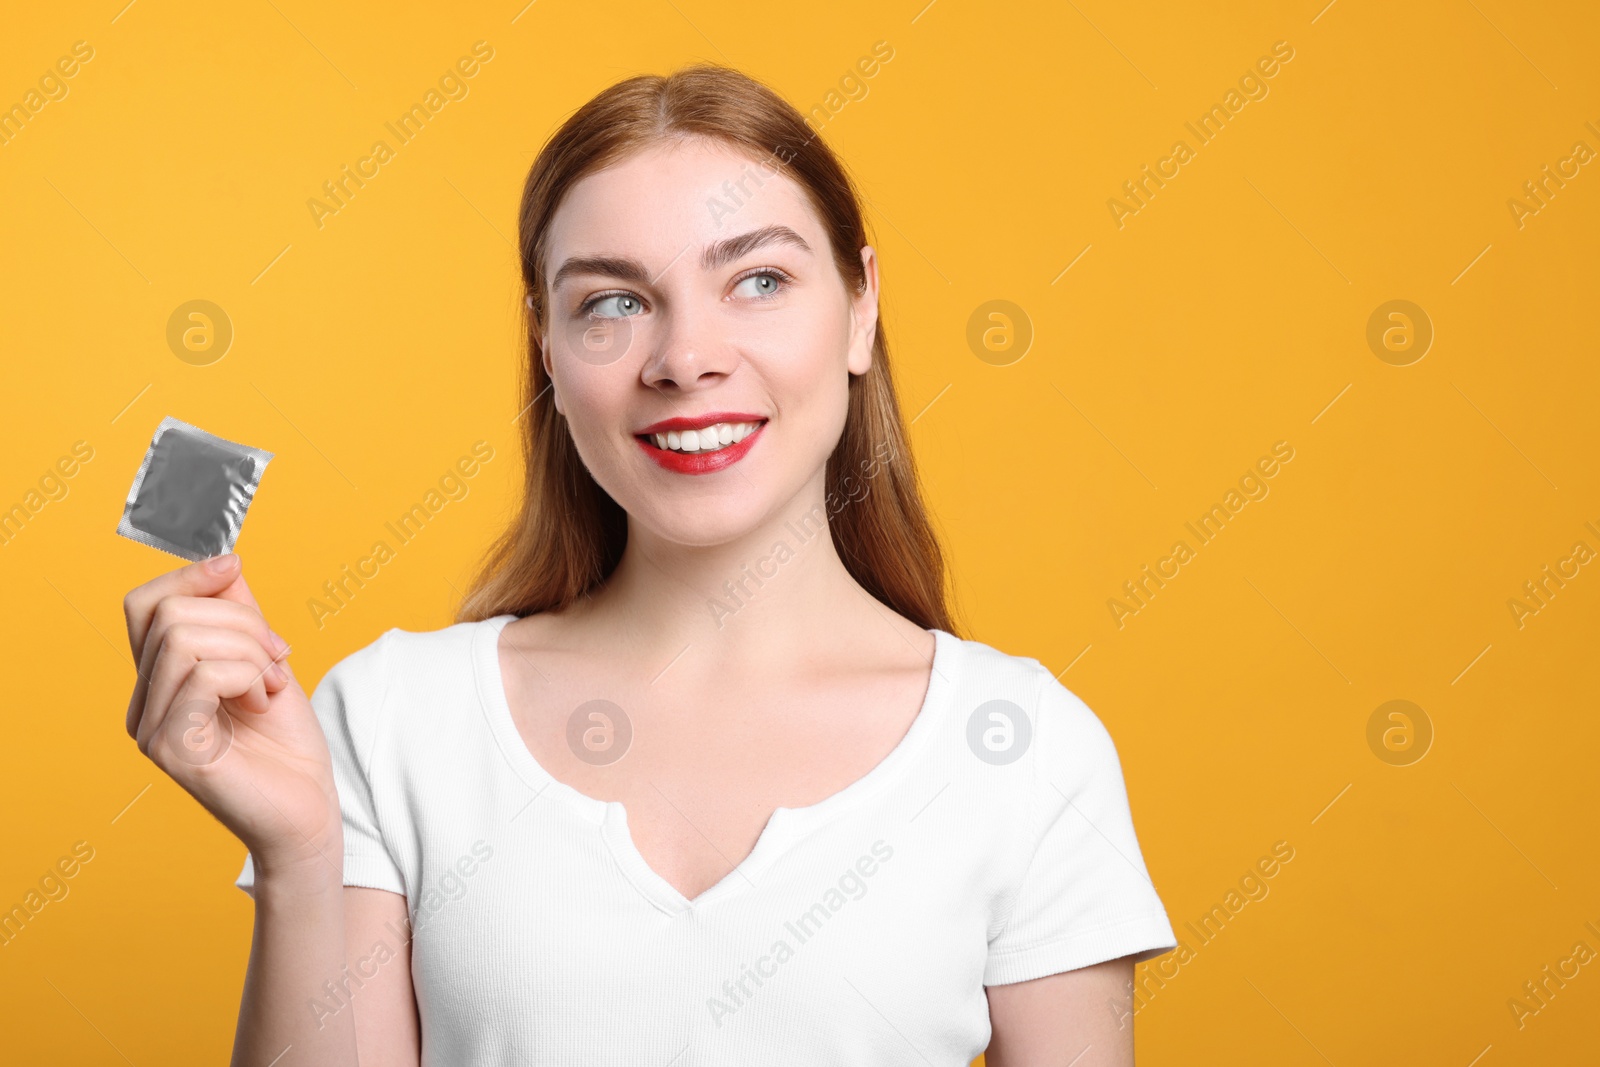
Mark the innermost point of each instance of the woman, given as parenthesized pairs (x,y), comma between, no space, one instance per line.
(703,773)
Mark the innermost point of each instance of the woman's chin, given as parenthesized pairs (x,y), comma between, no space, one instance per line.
(705,525)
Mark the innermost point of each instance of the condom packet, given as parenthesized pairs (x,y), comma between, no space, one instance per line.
(192,491)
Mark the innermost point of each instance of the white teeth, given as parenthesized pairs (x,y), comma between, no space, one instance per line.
(708,439)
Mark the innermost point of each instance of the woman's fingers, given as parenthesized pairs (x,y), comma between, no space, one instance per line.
(194,728)
(203,579)
(238,591)
(196,611)
(185,645)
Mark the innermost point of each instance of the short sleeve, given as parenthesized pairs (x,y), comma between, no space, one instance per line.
(348,704)
(1085,895)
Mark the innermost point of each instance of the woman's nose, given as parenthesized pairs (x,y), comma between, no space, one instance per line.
(686,350)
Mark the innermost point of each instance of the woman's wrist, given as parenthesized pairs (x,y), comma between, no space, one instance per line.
(313,869)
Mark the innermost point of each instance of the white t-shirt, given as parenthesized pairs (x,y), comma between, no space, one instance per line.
(992,845)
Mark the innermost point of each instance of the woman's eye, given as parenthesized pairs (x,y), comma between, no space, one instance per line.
(615,306)
(767,283)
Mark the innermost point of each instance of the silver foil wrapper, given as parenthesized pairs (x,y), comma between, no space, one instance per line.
(192,491)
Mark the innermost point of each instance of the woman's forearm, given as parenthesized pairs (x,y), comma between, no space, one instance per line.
(298,948)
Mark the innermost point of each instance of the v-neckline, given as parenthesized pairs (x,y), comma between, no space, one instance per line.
(784,826)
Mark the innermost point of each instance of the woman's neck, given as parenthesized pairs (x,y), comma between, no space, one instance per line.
(762,598)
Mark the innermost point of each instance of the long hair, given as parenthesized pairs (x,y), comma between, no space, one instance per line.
(567,536)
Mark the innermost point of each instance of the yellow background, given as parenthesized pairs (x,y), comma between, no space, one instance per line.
(1228,314)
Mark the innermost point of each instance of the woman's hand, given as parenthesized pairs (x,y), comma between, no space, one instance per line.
(217,708)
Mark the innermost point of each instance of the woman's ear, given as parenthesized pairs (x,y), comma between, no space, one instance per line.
(544,360)
(864,314)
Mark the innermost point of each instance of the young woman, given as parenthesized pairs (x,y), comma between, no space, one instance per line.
(703,774)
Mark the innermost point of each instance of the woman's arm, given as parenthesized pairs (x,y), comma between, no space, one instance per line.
(299,942)
(329,974)
(378,943)
(1082,1017)
(217,707)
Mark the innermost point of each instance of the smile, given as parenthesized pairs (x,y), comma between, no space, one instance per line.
(703,445)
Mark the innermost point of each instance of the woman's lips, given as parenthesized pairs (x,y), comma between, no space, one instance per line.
(709,418)
(700,462)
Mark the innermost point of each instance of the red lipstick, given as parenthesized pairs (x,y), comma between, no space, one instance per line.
(710,418)
(699,462)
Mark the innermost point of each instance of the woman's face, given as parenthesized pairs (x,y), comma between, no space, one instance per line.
(693,293)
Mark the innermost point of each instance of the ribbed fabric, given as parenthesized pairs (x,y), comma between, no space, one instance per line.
(860,930)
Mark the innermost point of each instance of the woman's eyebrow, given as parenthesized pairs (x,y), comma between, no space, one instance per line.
(715,255)
(729,249)
(620,267)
